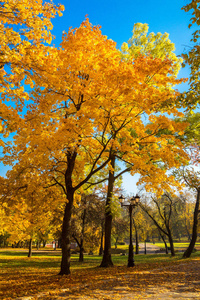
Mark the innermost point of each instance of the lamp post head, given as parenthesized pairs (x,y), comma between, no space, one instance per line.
(133,201)
(137,198)
(121,199)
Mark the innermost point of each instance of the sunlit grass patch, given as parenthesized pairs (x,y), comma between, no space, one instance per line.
(182,245)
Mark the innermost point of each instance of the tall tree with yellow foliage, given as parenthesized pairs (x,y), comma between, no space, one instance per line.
(85,105)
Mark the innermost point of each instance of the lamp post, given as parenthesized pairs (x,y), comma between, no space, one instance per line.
(130,204)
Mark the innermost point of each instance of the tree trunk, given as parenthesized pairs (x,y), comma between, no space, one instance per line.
(59,243)
(136,243)
(66,226)
(190,248)
(30,248)
(80,245)
(65,262)
(145,247)
(130,250)
(171,242)
(116,241)
(107,260)
(82,234)
(101,243)
(163,238)
(81,253)
(136,238)
(55,246)
(38,244)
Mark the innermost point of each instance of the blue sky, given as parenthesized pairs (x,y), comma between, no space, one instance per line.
(117,19)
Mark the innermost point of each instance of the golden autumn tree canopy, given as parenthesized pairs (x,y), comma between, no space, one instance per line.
(27,205)
(25,28)
(87,104)
(93,101)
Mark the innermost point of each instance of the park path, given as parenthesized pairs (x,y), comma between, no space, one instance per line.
(150,248)
(179,281)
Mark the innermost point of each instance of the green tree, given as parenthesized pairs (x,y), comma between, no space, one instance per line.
(157,45)
(192,58)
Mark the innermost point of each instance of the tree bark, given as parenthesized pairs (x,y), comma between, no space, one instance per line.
(163,238)
(80,244)
(101,243)
(116,241)
(66,229)
(66,226)
(190,248)
(107,260)
(30,248)
(82,236)
(131,252)
(171,242)
(38,244)
(136,238)
(55,246)
(81,254)
(145,247)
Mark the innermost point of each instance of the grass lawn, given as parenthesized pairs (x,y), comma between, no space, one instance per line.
(21,276)
(177,246)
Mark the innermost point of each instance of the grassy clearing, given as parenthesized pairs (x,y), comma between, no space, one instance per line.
(12,259)
(21,276)
(177,246)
